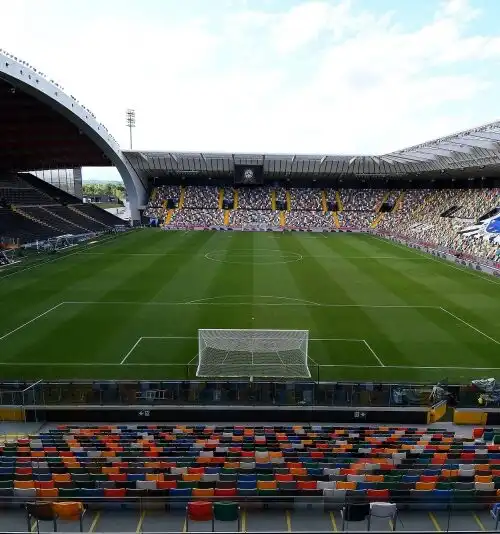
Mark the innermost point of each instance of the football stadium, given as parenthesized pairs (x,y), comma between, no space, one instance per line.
(273,342)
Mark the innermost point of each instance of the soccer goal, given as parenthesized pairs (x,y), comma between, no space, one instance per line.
(253,353)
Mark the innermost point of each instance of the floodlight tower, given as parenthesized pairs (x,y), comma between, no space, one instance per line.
(130,118)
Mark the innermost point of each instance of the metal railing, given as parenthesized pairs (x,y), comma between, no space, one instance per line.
(217,392)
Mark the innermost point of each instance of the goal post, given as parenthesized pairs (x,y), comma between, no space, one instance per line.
(232,353)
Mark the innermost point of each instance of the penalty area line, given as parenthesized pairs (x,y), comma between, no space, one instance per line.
(31,320)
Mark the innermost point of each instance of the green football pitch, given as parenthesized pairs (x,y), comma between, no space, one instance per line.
(130,307)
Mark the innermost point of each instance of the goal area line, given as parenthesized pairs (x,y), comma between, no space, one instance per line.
(291,365)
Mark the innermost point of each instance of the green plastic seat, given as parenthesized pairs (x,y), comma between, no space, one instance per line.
(227,511)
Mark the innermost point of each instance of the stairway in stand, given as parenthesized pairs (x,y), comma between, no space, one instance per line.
(181,198)
(226,217)
(336,219)
(282,219)
(382,202)
(236,198)
(377,220)
(399,202)
(169,216)
(323,201)
(340,206)
(288,201)
(221,198)
(273,200)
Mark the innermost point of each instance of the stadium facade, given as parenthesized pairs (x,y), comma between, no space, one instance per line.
(45,128)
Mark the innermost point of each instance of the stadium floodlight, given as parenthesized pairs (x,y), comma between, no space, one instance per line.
(252,353)
(130,118)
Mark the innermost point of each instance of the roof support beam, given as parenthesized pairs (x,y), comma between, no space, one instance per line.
(491,134)
(456,147)
(411,156)
(478,143)
(436,151)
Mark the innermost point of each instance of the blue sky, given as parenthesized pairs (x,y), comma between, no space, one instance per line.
(315,76)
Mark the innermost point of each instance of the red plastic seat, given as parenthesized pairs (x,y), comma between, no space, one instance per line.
(200,511)
(307,485)
(378,495)
(225,493)
(115,493)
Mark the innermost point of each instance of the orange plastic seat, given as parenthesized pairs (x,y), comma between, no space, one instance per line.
(47,493)
(425,486)
(374,478)
(155,477)
(24,484)
(429,478)
(345,485)
(266,484)
(298,472)
(69,510)
(166,484)
(110,470)
(192,477)
(203,493)
(61,477)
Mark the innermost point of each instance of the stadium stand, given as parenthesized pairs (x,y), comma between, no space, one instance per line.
(34,210)
(197,217)
(246,217)
(290,467)
(435,217)
(258,198)
(309,219)
(361,199)
(308,199)
(201,197)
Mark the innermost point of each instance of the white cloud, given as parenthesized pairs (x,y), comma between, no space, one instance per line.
(316,77)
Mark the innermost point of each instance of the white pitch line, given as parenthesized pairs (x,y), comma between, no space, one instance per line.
(441,261)
(31,320)
(374,353)
(250,255)
(194,303)
(130,351)
(470,326)
(142,364)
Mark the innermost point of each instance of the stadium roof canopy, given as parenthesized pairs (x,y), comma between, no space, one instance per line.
(473,152)
(42,127)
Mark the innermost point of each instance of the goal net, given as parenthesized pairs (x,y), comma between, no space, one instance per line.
(253,353)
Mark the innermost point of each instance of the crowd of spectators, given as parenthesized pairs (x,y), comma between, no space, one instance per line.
(201,196)
(254,198)
(420,218)
(392,197)
(159,195)
(356,220)
(187,218)
(258,218)
(280,194)
(361,199)
(309,219)
(306,198)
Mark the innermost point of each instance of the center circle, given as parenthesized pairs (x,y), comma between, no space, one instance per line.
(253,256)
